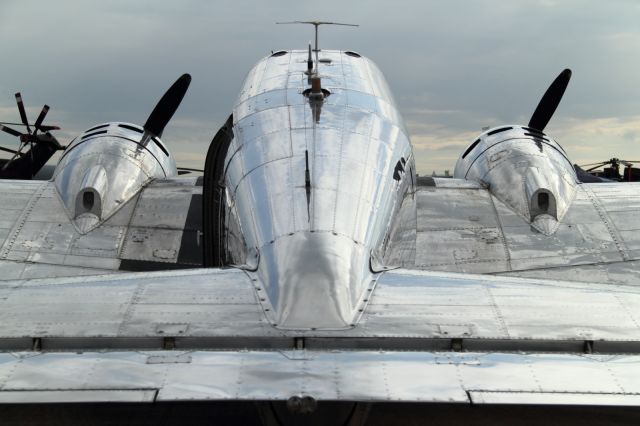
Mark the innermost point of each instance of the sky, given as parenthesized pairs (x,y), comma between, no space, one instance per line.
(454,66)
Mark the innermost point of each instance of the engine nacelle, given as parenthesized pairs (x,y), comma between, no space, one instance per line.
(104,168)
(526,170)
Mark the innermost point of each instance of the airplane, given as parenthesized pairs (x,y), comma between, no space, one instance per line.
(306,277)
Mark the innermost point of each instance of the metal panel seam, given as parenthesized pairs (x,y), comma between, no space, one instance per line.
(606,220)
(507,254)
(15,231)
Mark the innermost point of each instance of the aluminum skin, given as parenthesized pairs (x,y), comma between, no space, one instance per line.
(315,182)
(320,187)
(524,169)
(425,337)
(104,168)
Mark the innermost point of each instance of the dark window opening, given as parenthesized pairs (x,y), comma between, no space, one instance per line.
(352,54)
(279,53)
(397,170)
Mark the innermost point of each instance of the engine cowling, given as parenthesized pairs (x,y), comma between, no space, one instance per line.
(526,170)
(103,168)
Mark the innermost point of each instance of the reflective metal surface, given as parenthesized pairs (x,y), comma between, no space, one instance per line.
(408,310)
(320,185)
(425,337)
(104,168)
(529,172)
(312,183)
(478,378)
(462,227)
(38,239)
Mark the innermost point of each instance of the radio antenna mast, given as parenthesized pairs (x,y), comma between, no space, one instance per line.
(316,24)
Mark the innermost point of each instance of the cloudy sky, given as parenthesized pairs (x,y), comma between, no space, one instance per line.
(454,66)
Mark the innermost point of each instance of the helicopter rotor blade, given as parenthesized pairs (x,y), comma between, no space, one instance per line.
(40,119)
(23,113)
(595,167)
(10,131)
(593,164)
(11,151)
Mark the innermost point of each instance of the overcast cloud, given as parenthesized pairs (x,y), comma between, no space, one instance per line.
(454,66)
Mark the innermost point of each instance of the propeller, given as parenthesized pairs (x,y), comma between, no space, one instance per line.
(167,106)
(550,101)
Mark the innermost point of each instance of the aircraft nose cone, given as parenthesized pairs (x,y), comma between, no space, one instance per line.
(314,280)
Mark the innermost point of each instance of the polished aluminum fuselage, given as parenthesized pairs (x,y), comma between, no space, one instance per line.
(314,186)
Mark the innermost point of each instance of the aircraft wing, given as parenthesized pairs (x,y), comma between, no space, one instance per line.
(158,228)
(462,227)
(424,337)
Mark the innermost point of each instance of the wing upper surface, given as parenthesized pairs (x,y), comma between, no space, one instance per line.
(433,307)
(463,228)
(157,229)
(201,334)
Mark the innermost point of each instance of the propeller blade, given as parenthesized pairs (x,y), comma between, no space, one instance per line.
(11,151)
(550,100)
(48,128)
(23,113)
(10,131)
(167,106)
(43,113)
